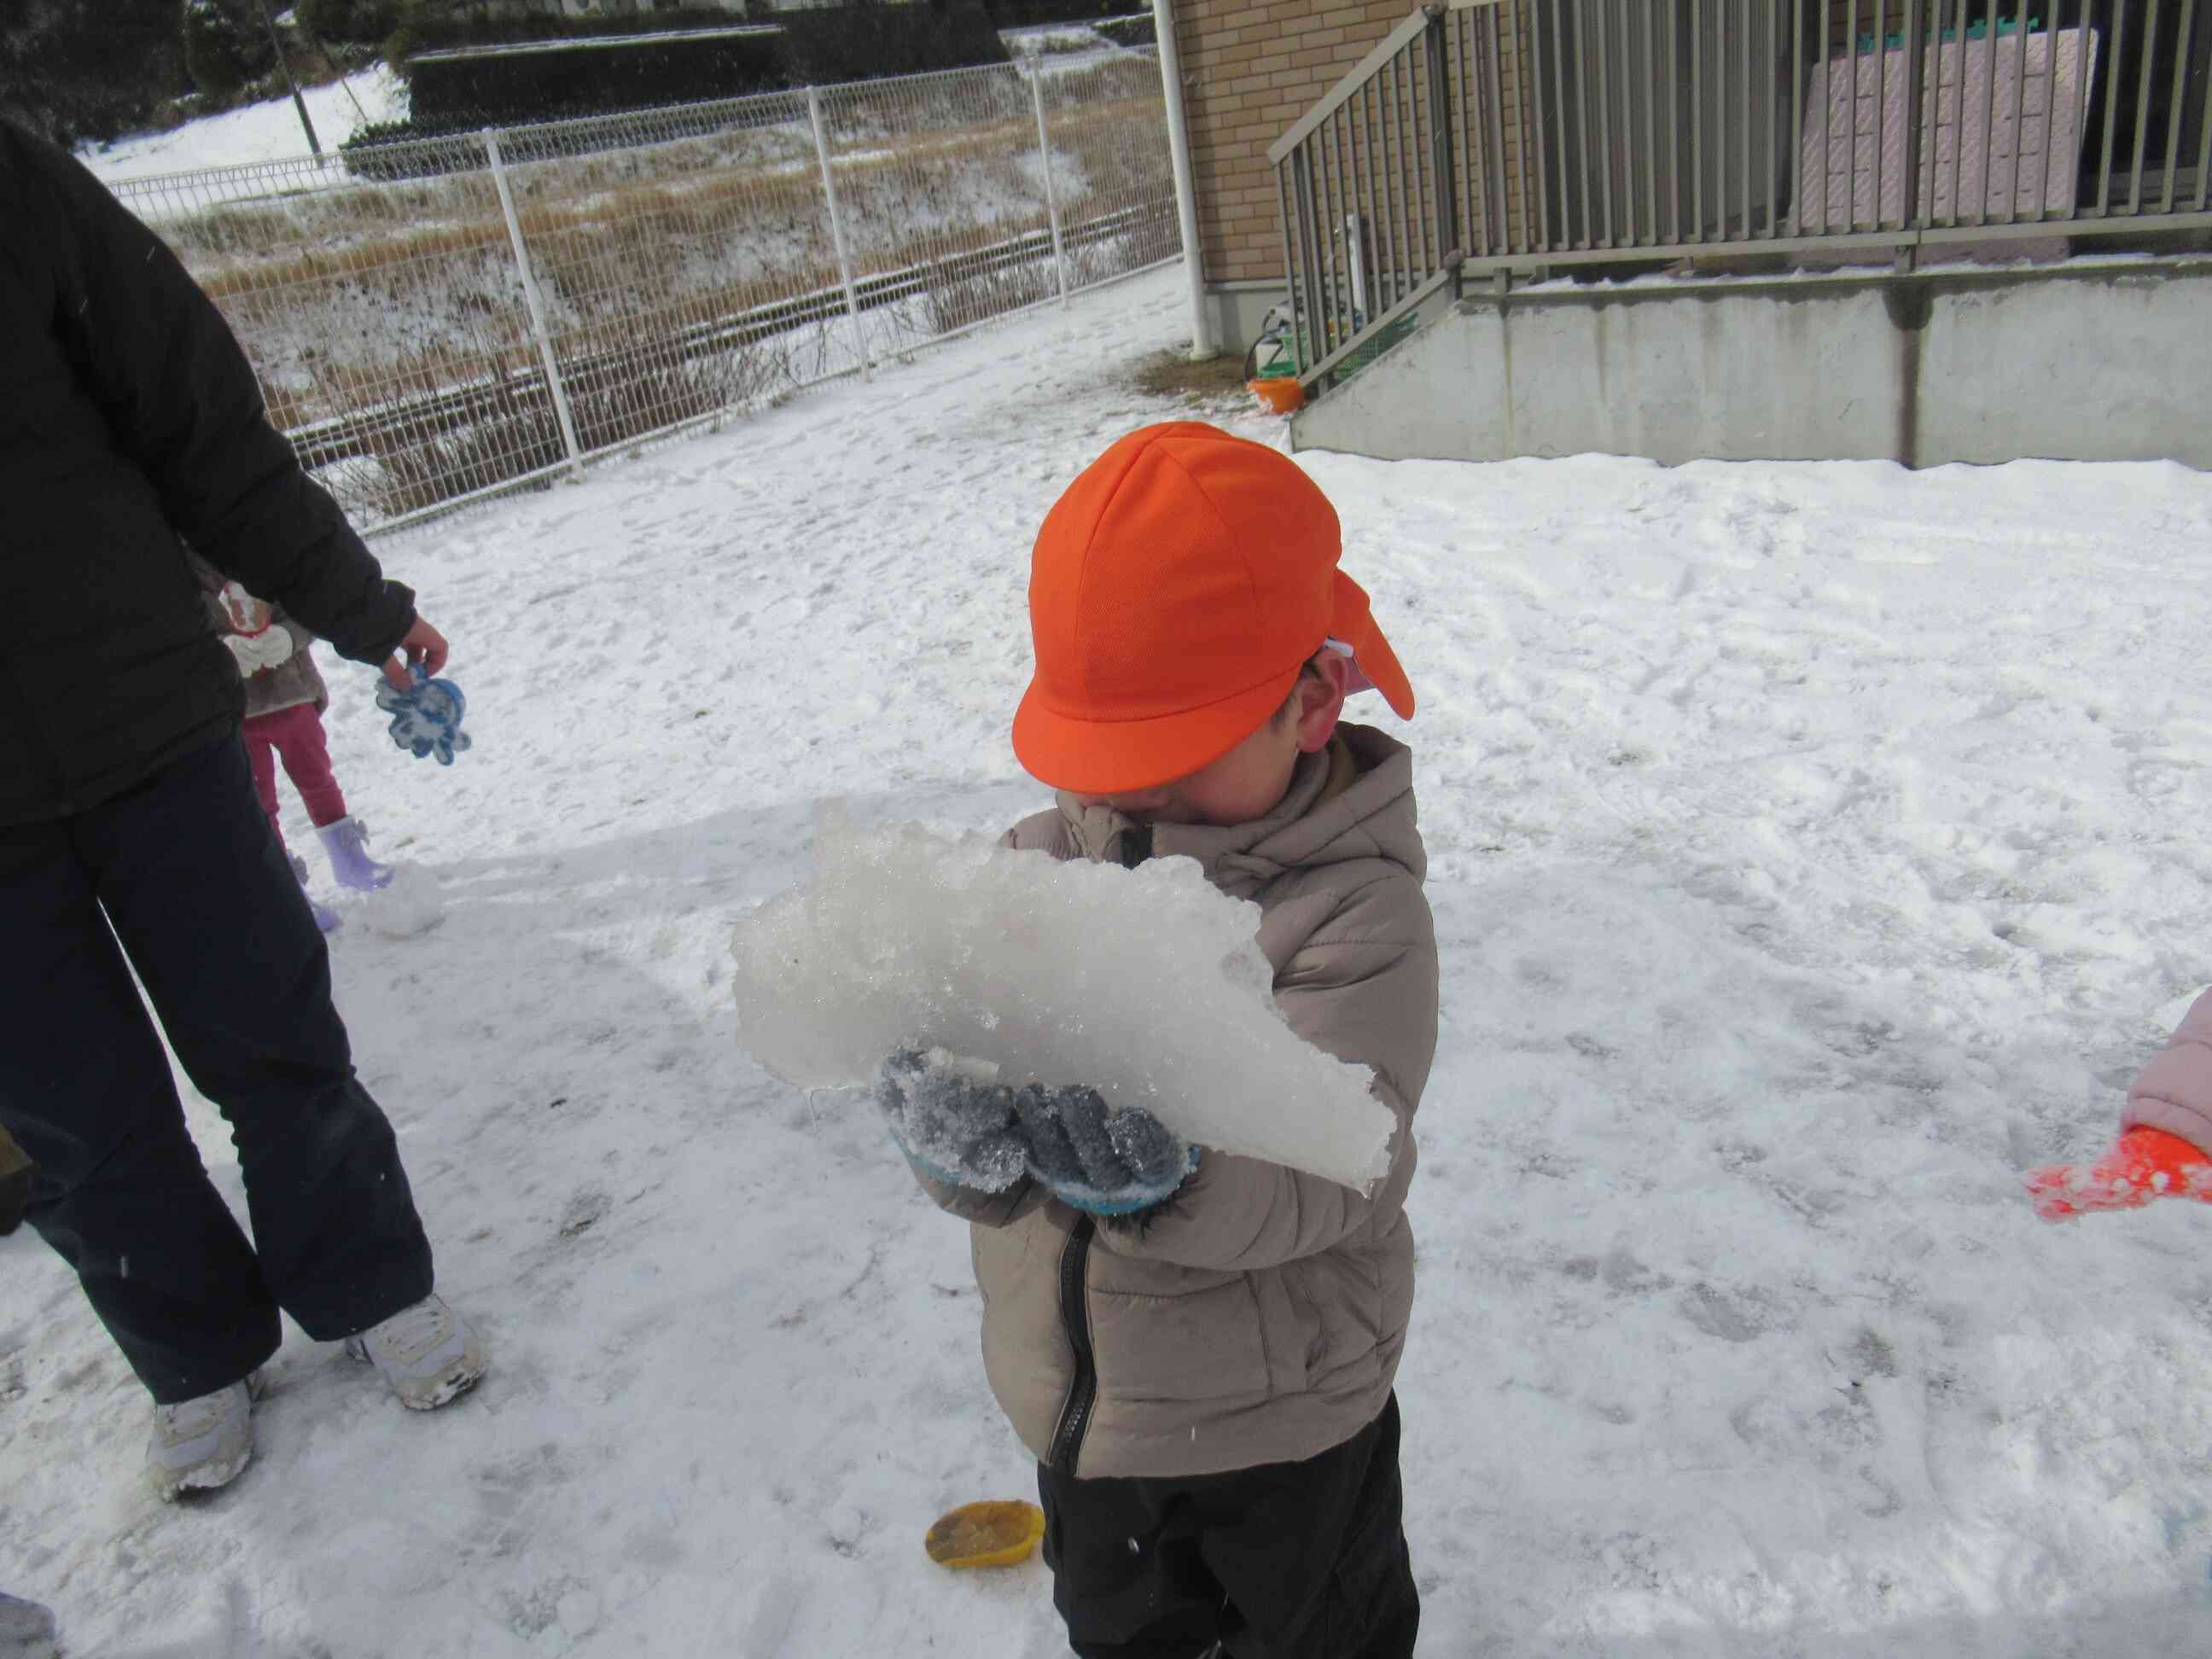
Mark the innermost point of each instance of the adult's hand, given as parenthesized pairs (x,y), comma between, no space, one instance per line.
(423,644)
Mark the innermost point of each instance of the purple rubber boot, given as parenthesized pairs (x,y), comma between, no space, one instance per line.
(347,842)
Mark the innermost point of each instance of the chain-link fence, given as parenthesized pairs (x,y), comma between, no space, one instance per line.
(439,320)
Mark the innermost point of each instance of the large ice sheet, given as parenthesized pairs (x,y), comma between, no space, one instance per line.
(1145,984)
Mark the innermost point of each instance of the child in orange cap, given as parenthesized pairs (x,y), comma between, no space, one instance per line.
(1199,1348)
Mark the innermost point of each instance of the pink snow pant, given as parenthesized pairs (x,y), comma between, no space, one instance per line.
(296,733)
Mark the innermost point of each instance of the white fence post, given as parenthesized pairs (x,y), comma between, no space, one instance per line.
(837,232)
(1044,154)
(536,304)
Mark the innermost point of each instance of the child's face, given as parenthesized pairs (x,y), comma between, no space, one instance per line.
(1250,779)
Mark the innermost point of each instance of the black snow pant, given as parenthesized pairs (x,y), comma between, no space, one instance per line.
(1300,1560)
(198,894)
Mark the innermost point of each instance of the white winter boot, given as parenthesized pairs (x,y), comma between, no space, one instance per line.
(347,842)
(427,1352)
(200,1445)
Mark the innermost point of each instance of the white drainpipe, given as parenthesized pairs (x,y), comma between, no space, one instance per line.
(1201,324)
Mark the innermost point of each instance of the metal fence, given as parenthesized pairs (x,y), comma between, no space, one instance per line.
(1520,135)
(436,320)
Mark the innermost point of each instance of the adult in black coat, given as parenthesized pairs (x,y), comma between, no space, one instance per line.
(130,420)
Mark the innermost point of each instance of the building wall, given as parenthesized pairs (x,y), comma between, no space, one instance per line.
(1614,178)
(1961,365)
(1250,69)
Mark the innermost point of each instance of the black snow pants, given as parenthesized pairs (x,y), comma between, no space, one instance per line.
(196,892)
(1302,1561)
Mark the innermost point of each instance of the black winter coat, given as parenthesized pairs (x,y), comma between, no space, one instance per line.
(129,418)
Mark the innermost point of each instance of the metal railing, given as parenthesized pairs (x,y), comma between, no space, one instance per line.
(1513,136)
(439,320)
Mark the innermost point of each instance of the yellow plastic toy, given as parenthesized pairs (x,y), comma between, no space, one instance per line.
(997,1533)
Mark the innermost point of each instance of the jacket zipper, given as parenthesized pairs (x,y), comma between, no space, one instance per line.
(1075,1318)
(1136,847)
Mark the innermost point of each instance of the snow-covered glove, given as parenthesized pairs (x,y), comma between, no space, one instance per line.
(257,652)
(2144,1164)
(426,718)
(952,1119)
(1094,1157)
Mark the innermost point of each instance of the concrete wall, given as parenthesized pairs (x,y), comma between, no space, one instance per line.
(1240,309)
(2094,360)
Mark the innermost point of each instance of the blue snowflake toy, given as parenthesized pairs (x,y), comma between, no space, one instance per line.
(426,718)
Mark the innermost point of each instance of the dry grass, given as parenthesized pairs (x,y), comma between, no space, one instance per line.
(513,441)
(514,437)
(389,296)
(360,228)
(1197,385)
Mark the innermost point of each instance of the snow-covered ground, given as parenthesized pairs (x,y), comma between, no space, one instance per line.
(266,132)
(1814,849)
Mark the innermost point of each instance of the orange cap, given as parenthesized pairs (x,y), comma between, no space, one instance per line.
(1176,590)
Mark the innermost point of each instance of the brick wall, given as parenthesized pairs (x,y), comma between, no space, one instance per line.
(1249,71)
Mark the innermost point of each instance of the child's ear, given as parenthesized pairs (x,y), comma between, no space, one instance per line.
(1321,700)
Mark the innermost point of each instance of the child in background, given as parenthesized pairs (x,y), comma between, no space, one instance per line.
(285,698)
(1199,1348)
(2167,1122)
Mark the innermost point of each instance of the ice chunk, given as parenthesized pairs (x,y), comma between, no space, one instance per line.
(1145,984)
(412,904)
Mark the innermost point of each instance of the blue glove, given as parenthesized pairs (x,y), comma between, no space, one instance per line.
(426,718)
(955,1122)
(951,1122)
(1094,1158)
